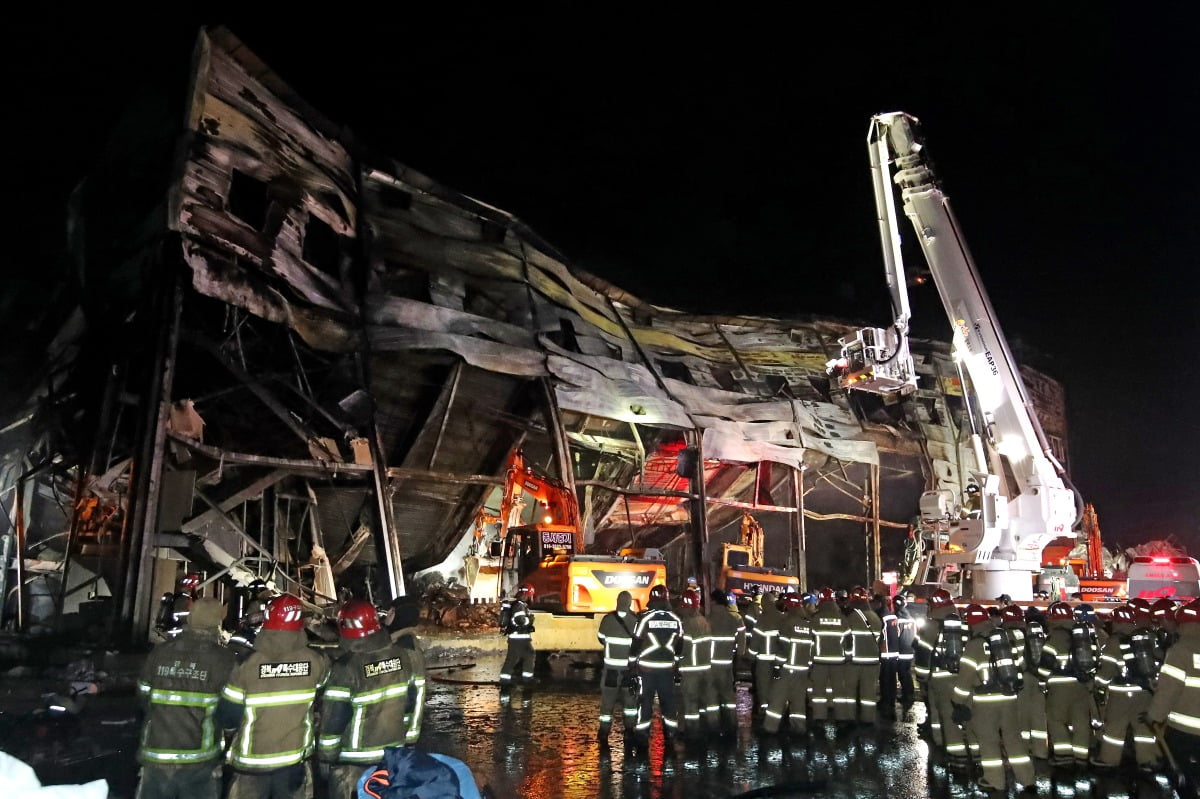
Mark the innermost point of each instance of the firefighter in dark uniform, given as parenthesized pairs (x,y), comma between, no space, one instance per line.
(939,647)
(516,621)
(985,703)
(1069,661)
(656,642)
(1175,709)
(831,647)
(269,699)
(728,634)
(1124,682)
(750,610)
(860,680)
(766,641)
(789,691)
(895,665)
(374,699)
(616,695)
(180,685)
(695,662)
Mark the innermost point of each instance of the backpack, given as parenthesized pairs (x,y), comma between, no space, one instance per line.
(948,651)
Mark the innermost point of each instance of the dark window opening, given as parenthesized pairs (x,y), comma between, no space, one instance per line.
(778,386)
(248,199)
(676,371)
(404,282)
(395,199)
(565,336)
(322,247)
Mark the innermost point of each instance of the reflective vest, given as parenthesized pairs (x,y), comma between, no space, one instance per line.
(374,699)
(1177,696)
(865,630)
(796,641)
(695,652)
(831,636)
(515,620)
(725,625)
(180,685)
(275,687)
(616,636)
(656,637)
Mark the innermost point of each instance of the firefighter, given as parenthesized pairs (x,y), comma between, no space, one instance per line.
(516,622)
(179,687)
(728,635)
(750,610)
(656,642)
(789,692)
(173,608)
(1124,681)
(1175,709)
(616,636)
(1162,612)
(1026,636)
(269,700)
(985,703)
(831,647)
(904,630)
(860,681)
(375,698)
(257,594)
(1069,660)
(695,662)
(766,641)
(936,661)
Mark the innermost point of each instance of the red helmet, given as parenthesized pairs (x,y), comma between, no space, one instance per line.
(357,619)
(792,600)
(1013,614)
(1142,611)
(1162,610)
(1189,613)
(658,592)
(524,591)
(1122,614)
(858,592)
(975,614)
(284,613)
(690,600)
(827,595)
(190,581)
(1059,611)
(940,598)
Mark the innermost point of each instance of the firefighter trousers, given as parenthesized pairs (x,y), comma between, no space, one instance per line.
(995,734)
(764,668)
(518,662)
(660,683)
(1031,713)
(788,699)
(940,710)
(289,782)
(1068,720)
(856,696)
(694,701)
(823,677)
(343,780)
(198,780)
(722,694)
(616,699)
(1124,705)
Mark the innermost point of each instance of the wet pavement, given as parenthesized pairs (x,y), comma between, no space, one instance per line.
(539,742)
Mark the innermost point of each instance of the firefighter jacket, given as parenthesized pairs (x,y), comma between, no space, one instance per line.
(1116,659)
(866,629)
(1058,660)
(374,699)
(656,637)
(766,631)
(1016,639)
(977,678)
(934,655)
(1177,696)
(750,611)
(696,645)
(180,686)
(616,635)
(796,640)
(270,697)
(904,631)
(515,620)
(726,627)
(831,635)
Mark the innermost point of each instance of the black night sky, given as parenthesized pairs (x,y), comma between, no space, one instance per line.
(718,163)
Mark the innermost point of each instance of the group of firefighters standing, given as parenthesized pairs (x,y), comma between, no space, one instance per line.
(283,704)
(1002,685)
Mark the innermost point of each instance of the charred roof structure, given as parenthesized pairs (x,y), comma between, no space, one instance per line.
(301,360)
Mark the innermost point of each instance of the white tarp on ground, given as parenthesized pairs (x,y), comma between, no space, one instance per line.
(18,781)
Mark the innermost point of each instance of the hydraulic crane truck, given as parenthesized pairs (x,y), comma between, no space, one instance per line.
(989,527)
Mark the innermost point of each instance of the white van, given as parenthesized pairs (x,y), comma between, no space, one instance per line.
(1156,576)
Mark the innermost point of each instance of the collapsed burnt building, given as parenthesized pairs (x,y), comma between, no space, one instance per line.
(297,359)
